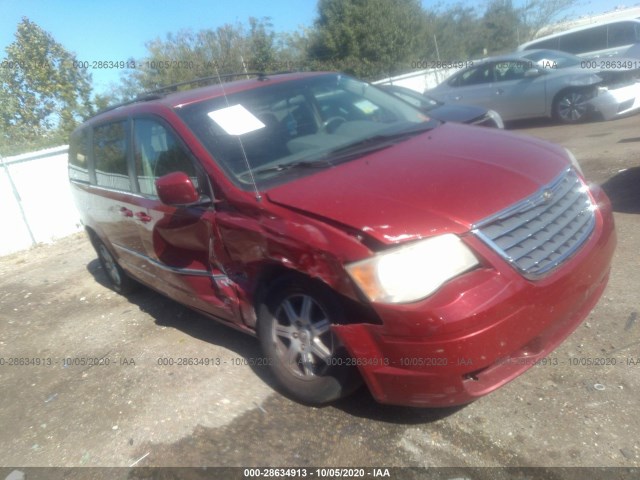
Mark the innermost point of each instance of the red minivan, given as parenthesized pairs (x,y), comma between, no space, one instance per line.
(357,238)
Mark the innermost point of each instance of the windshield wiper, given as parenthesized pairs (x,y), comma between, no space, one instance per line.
(281,167)
(380,141)
(341,154)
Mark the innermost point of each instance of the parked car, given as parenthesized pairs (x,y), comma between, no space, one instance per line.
(447,113)
(358,239)
(546,83)
(633,52)
(602,39)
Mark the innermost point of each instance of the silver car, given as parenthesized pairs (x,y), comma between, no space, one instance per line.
(545,83)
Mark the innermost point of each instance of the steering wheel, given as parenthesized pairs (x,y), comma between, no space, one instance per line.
(332,123)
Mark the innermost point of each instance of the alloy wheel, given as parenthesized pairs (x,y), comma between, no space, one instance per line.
(302,336)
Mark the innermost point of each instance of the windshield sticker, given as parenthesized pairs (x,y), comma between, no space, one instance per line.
(236,120)
(366,106)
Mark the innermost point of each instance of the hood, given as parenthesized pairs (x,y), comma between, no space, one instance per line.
(441,181)
(614,77)
(633,52)
(457,113)
(620,72)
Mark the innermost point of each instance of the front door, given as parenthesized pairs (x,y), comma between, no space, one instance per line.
(180,242)
(516,96)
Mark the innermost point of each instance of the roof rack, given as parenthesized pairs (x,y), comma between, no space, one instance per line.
(197,81)
(159,93)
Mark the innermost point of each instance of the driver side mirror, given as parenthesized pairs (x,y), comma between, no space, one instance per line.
(532,72)
(177,189)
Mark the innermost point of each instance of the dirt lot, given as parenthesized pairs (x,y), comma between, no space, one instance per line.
(130,408)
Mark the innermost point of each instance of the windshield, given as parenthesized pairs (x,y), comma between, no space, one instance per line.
(553,59)
(418,100)
(281,130)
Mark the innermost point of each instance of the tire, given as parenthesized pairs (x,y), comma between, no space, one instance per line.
(571,106)
(117,277)
(303,353)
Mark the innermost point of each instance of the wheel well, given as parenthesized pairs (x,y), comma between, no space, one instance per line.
(95,240)
(93,236)
(355,312)
(265,281)
(586,88)
(558,95)
(554,104)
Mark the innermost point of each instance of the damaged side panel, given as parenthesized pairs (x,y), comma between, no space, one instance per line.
(259,247)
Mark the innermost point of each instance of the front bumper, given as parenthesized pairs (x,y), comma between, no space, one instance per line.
(481,330)
(617,102)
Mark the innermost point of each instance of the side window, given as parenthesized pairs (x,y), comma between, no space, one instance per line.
(157,152)
(622,33)
(549,44)
(110,153)
(506,71)
(589,40)
(476,76)
(79,156)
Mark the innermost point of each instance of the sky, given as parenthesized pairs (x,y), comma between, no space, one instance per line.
(117,30)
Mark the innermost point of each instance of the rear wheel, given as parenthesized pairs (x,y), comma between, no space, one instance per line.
(304,354)
(571,106)
(118,278)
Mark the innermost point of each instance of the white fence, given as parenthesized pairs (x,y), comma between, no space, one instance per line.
(420,80)
(35,200)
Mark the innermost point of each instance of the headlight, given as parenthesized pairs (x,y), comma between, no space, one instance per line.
(411,272)
(574,161)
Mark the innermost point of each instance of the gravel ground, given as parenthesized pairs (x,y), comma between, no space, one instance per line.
(113,402)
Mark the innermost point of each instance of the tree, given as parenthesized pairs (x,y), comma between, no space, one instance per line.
(44,95)
(453,34)
(537,14)
(500,27)
(292,48)
(188,55)
(260,42)
(368,38)
(463,32)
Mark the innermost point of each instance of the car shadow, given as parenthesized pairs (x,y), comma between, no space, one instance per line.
(529,123)
(362,404)
(548,122)
(623,189)
(169,313)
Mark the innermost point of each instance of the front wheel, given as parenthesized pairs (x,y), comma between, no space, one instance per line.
(571,106)
(304,354)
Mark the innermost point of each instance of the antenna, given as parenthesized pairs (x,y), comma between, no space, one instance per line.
(244,153)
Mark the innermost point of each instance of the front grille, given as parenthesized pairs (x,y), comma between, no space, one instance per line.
(539,233)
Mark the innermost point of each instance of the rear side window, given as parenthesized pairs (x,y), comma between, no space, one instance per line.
(549,44)
(110,154)
(590,40)
(79,156)
(622,33)
(158,152)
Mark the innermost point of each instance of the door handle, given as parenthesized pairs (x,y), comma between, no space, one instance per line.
(143,217)
(499,91)
(457,97)
(126,212)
